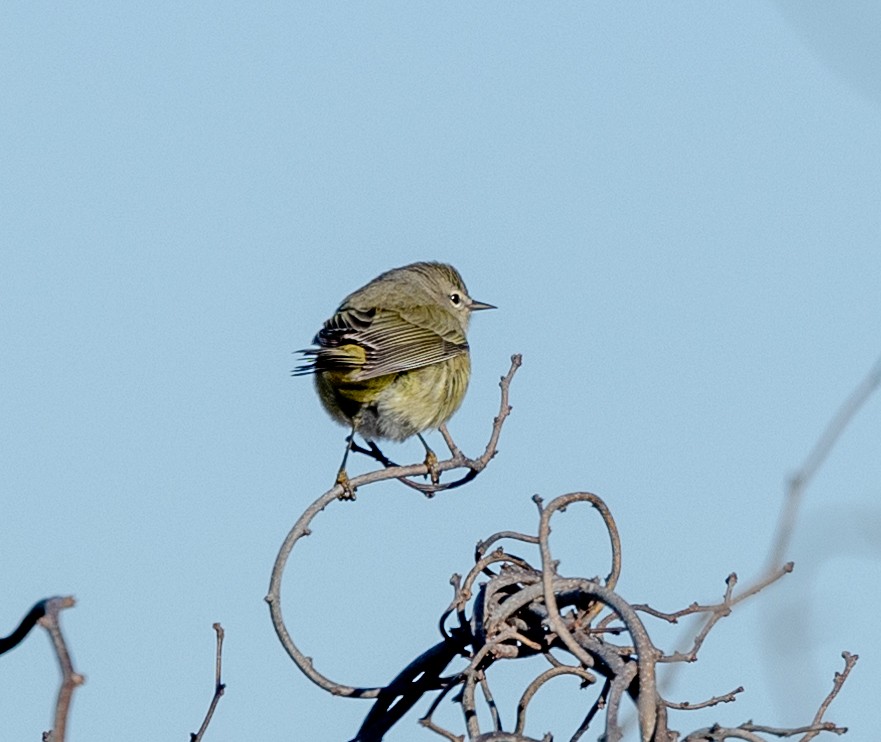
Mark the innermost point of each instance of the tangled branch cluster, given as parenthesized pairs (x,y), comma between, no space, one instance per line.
(581,627)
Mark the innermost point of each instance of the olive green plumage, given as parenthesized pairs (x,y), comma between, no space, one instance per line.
(393,360)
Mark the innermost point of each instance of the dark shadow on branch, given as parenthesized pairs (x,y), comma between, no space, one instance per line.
(24,628)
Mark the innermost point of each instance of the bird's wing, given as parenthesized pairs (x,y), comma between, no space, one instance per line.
(379,342)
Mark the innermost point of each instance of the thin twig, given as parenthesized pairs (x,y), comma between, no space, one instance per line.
(729,697)
(429,723)
(716,611)
(483,546)
(849,661)
(219,687)
(457,459)
(647,700)
(751,731)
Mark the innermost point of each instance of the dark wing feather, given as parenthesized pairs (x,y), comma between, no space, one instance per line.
(332,339)
(392,341)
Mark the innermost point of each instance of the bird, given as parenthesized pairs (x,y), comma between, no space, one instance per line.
(393,361)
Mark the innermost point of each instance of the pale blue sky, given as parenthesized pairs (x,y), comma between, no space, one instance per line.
(676,209)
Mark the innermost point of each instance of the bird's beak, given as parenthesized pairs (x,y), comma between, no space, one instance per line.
(475,305)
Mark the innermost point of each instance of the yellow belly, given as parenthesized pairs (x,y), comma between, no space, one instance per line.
(399,405)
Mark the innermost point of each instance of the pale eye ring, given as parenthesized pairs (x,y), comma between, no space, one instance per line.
(456,298)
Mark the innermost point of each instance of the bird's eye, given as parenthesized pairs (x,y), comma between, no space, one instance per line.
(456,298)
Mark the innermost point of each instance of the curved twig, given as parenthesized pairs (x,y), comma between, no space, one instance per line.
(647,700)
(302,528)
(273,598)
(533,687)
(564,501)
(496,556)
(483,546)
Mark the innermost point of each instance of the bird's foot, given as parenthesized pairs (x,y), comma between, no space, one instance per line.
(342,479)
(431,464)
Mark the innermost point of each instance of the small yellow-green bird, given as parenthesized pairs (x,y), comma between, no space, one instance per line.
(393,360)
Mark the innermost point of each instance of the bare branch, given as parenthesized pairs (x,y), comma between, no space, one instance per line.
(70,679)
(716,611)
(815,459)
(750,731)
(800,481)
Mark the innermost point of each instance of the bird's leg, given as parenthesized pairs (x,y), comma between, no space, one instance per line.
(342,478)
(379,455)
(430,461)
(374,452)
